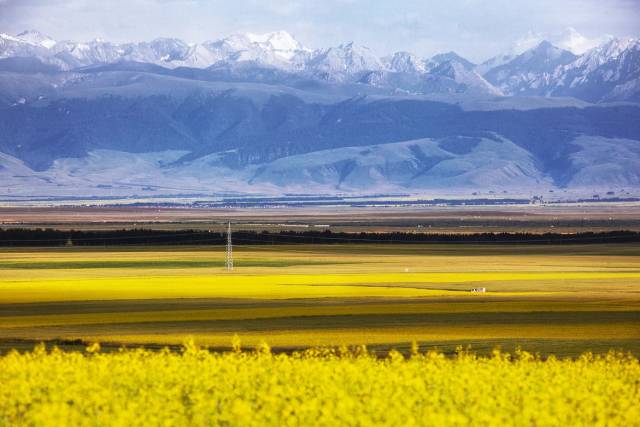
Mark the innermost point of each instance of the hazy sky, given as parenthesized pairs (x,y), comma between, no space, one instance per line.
(476,29)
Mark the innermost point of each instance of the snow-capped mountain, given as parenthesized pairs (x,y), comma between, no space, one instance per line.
(530,73)
(280,42)
(13,46)
(342,62)
(446,73)
(263,113)
(494,62)
(605,73)
(404,62)
(451,57)
(276,49)
(460,77)
(36,38)
(161,51)
(238,53)
(610,72)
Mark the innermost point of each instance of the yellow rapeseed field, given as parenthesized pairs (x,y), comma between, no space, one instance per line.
(276,286)
(318,387)
(561,300)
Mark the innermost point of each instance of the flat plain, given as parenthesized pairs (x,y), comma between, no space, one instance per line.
(549,299)
(558,218)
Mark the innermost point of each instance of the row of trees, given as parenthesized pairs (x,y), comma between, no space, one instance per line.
(53,237)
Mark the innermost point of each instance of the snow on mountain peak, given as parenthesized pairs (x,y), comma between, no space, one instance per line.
(546,49)
(606,52)
(9,37)
(543,70)
(450,57)
(274,49)
(615,46)
(545,56)
(277,40)
(404,62)
(36,38)
(347,58)
(494,62)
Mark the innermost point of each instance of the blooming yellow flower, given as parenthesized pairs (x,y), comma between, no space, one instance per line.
(324,387)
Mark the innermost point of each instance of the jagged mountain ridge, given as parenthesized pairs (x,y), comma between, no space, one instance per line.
(610,72)
(607,73)
(530,72)
(268,115)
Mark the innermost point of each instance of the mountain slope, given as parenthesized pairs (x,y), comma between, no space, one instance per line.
(610,72)
(269,135)
(341,62)
(530,73)
(606,73)
(260,113)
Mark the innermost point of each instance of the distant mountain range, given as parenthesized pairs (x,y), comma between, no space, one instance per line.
(607,73)
(263,114)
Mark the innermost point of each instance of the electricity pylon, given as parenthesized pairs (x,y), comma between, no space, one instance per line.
(229,249)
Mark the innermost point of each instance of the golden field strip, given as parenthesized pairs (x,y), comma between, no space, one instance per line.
(553,299)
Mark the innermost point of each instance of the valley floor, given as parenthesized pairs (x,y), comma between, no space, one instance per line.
(558,218)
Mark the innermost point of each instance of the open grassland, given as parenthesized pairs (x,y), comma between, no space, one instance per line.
(324,388)
(553,299)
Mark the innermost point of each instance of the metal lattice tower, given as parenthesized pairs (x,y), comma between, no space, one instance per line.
(229,249)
